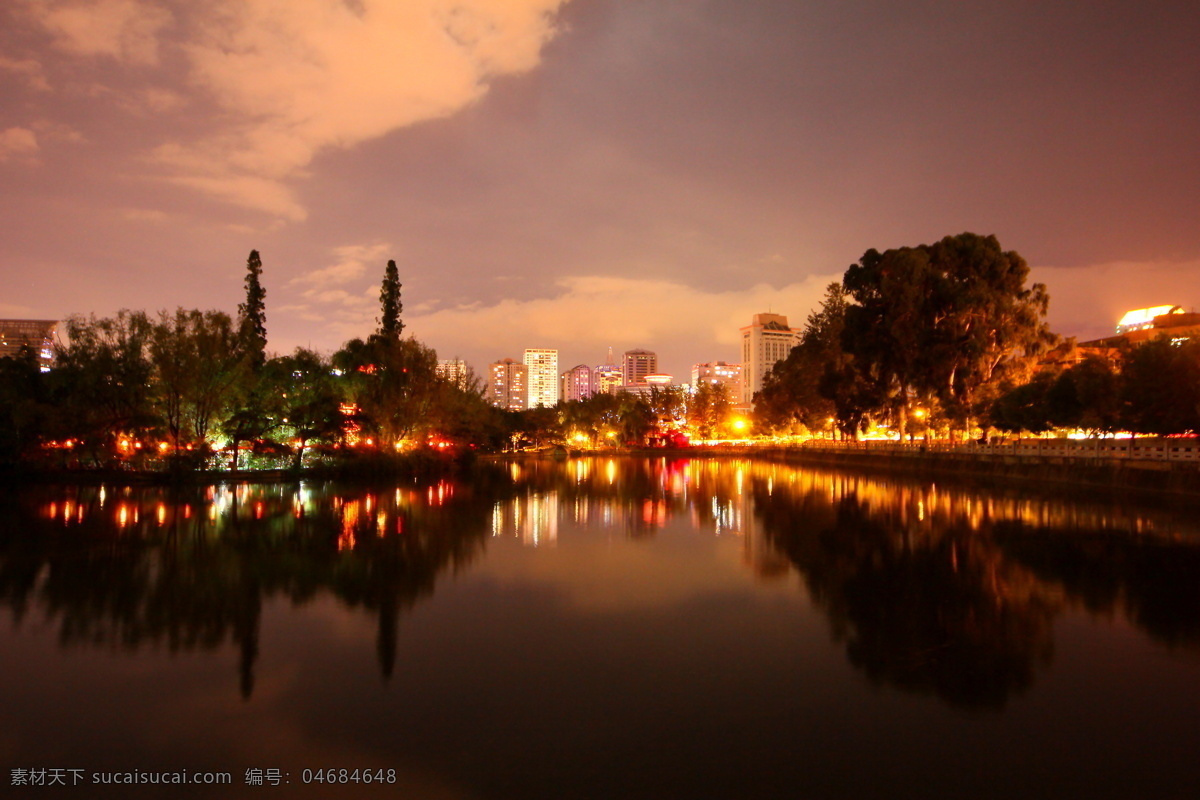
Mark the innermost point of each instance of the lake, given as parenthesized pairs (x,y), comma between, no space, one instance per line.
(599,628)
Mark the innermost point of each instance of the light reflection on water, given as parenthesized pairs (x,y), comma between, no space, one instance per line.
(576,571)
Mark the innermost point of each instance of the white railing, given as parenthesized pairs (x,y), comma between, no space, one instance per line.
(1129,449)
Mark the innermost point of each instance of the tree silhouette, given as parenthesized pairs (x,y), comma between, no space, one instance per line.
(252,316)
(390,326)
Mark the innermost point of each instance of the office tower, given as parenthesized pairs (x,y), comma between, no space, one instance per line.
(637,365)
(542,377)
(506,384)
(719,373)
(577,383)
(766,341)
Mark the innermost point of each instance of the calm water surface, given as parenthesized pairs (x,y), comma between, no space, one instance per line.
(603,628)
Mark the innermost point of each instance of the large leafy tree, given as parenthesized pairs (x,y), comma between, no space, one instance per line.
(952,320)
(309,406)
(252,315)
(196,366)
(988,328)
(887,329)
(393,382)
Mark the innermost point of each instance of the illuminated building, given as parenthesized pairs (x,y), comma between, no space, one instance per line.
(506,385)
(658,380)
(1143,325)
(718,373)
(1146,318)
(607,379)
(766,341)
(577,383)
(453,370)
(542,377)
(37,334)
(637,364)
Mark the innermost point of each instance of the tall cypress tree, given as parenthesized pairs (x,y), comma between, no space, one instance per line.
(252,315)
(390,325)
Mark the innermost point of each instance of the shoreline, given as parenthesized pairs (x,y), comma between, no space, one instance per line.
(1145,477)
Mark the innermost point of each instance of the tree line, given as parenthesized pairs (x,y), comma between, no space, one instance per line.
(947,337)
(170,390)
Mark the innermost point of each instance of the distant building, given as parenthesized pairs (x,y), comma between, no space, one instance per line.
(766,341)
(719,373)
(636,365)
(607,379)
(577,383)
(542,375)
(1143,319)
(507,385)
(37,334)
(652,382)
(1142,325)
(453,370)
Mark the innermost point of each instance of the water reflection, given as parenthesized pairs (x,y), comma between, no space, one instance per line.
(946,591)
(191,569)
(927,588)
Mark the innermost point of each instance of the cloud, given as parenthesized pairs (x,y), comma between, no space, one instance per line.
(291,79)
(300,77)
(125,30)
(18,144)
(28,69)
(350,264)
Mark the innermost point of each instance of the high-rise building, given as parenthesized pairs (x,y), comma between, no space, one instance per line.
(37,334)
(718,373)
(637,365)
(542,374)
(607,379)
(453,370)
(766,341)
(507,384)
(577,383)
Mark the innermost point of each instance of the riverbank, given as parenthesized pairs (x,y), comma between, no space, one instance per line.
(1142,475)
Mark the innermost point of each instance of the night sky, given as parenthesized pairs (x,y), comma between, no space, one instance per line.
(588,173)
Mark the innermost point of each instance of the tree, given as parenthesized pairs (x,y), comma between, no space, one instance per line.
(887,330)
(1160,387)
(252,317)
(102,382)
(390,326)
(309,405)
(25,412)
(393,382)
(952,320)
(196,364)
(988,329)
(708,408)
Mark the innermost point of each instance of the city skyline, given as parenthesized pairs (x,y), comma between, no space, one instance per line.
(585,173)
